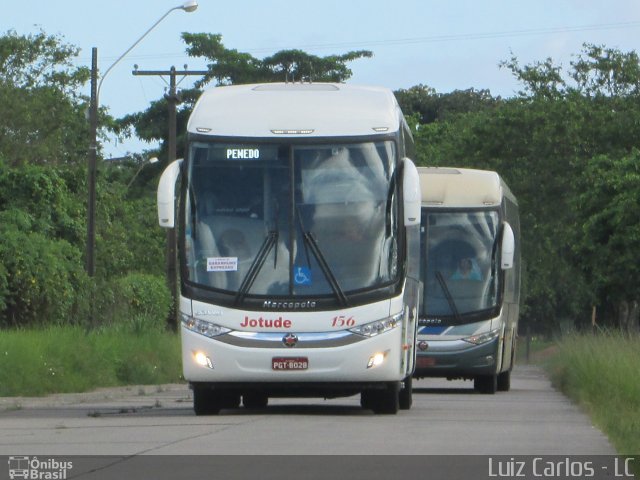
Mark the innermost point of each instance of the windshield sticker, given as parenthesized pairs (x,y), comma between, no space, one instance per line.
(302,276)
(222,264)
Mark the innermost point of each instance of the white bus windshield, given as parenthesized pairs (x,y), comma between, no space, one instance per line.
(460,266)
(291,219)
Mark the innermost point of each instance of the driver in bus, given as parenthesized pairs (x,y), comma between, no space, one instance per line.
(467,270)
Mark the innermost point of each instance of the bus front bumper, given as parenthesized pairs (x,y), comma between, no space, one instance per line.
(211,361)
(455,359)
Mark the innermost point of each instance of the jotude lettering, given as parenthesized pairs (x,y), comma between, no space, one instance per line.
(265,323)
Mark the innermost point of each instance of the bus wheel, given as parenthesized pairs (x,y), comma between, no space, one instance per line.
(406,394)
(504,381)
(367,400)
(255,400)
(383,401)
(205,401)
(504,378)
(486,383)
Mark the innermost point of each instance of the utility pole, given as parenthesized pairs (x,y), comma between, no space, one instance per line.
(173,99)
(90,265)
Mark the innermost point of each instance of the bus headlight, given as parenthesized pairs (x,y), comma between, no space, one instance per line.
(379,326)
(202,360)
(203,327)
(483,337)
(377,359)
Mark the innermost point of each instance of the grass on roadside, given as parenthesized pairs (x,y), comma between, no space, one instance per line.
(602,374)
(71,359)
(529,350)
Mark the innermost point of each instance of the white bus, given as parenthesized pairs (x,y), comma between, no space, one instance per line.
(299,239)
(470,270)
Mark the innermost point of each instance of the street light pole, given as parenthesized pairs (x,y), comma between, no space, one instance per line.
(188,6)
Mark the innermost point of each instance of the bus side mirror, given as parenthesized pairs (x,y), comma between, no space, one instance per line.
(412,193)
(167,194)
(508,247)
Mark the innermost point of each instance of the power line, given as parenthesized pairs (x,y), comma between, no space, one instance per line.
(462,36)
(466,36)
(390,42)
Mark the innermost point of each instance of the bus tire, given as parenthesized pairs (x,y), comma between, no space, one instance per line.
(385,401)
(504,378)
(504,381)
(487,384)
(367,399)
(406,394)
(205,401)
(255,400)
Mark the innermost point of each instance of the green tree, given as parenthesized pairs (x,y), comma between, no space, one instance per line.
(43,145)
(43,193)
(600,71)
(607,233)
(230,67)
(431,106)
(41,112)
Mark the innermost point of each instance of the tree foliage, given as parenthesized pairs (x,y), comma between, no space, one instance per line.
(230,67)
(606,236)
(43,191)
(41,273)
(430,106)
(41,112)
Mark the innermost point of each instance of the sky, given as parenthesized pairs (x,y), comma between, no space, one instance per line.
(444,44)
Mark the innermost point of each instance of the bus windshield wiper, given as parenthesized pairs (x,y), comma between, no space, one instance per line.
(333,281)
(258,262)
(310,241)
(449,297)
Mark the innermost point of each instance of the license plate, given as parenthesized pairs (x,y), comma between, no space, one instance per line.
(425,362)
(289,363)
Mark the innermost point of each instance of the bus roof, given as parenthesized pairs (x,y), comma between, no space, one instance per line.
(461,187)
(295,110)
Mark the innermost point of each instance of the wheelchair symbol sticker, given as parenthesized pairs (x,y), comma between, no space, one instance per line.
(302,276)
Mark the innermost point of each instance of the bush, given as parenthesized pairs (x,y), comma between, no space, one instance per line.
(4,291)
(39,277)
(137,303)
(144,300)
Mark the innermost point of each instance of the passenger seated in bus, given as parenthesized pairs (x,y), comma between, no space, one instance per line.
(467,270)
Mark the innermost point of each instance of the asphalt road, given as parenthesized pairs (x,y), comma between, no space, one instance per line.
(447,418)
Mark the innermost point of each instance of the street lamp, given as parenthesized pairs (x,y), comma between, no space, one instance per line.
(151,161)
(188,6)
